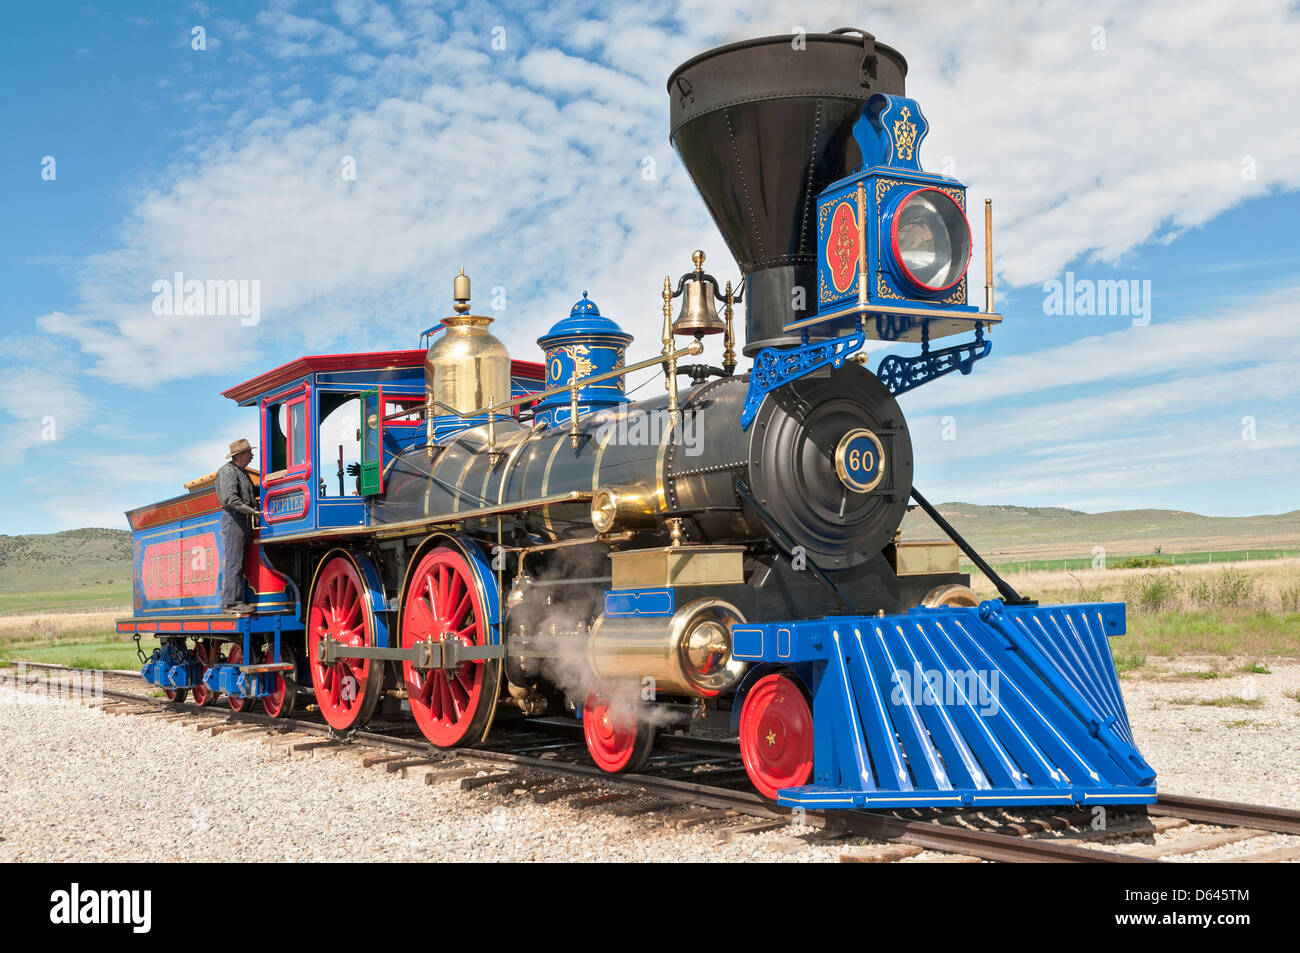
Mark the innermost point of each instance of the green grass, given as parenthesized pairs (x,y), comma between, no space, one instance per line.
(1243,723)
(1223,701)
(1255,668)
(1212,632)
(1207,675)
(95,596)
(77,654)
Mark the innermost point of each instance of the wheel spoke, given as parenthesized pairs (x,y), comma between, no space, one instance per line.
(422,617)
(465,676)
(444,584)
(459,612)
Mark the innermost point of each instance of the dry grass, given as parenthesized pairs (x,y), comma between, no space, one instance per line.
(55,626)
(1247,611)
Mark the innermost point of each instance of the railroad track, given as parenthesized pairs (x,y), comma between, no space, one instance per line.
(549,755)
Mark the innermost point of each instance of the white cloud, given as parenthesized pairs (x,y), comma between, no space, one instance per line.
(1263,326)
(524,166)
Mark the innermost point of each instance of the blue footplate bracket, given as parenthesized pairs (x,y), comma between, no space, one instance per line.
(967,706)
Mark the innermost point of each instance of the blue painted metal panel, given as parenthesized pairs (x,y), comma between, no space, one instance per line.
(962,706)
(639,602)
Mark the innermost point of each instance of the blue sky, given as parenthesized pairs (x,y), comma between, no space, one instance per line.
(1110,149)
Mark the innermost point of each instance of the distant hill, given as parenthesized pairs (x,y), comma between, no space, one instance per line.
(102,557)
(1006,533)
(75,557)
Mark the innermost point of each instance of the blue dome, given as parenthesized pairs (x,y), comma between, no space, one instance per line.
(584,320)
(585,306)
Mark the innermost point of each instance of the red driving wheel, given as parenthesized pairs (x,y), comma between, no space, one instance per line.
(284,686)
(347,690)
(776,735)
(176,695)
(202,695)
(617,739)
(452,706)
(235,656)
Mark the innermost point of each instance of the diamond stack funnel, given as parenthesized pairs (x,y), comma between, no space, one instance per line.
(762,127)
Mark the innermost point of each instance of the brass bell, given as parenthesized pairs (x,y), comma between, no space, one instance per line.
(698,316)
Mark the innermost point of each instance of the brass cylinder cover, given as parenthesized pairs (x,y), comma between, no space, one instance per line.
(688,653)
(466,367)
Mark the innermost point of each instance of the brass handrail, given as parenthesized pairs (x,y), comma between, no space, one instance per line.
(695,347)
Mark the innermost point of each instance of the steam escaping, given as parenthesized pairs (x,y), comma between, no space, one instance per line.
(556,621)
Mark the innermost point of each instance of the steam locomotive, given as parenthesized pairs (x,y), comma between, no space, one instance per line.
(523,540)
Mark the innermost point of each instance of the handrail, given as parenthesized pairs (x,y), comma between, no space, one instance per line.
(695,347)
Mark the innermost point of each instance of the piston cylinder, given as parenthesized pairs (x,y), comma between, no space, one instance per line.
(687,653)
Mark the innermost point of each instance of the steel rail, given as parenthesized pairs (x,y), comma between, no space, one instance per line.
(1279,820)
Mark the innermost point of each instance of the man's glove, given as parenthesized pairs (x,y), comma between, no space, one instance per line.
(354,469)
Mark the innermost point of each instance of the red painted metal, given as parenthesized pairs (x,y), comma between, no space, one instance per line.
(372,360)
(175,509)
(776,735)
(235,656)
(617,739)
(338,610)
(281,702)
(201,694)
(443,602)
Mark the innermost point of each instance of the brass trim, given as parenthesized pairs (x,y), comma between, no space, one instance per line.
(841,468)
(855,310)
(668,566)
(695,347)
(513,460)
(406,527)
(472,455)
(988,255)
(546,482)
(610,429)
(661,461)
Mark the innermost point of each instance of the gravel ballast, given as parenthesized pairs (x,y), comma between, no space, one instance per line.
(83,785)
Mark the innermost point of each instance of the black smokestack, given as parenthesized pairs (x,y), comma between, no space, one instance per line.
(762,127)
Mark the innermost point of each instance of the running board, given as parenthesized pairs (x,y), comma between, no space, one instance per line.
(995,705)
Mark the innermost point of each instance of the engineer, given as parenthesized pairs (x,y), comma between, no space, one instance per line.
(238,501)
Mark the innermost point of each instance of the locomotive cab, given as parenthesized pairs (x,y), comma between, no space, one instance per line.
(330,425)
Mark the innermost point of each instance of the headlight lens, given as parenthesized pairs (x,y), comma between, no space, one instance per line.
(604,508)
(931,240)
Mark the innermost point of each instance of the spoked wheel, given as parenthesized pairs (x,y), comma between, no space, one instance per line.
(202,695)
(235,656)
(176,695)
(347,690)
(776,735)
(452,706)
(617,738)
(284,690)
